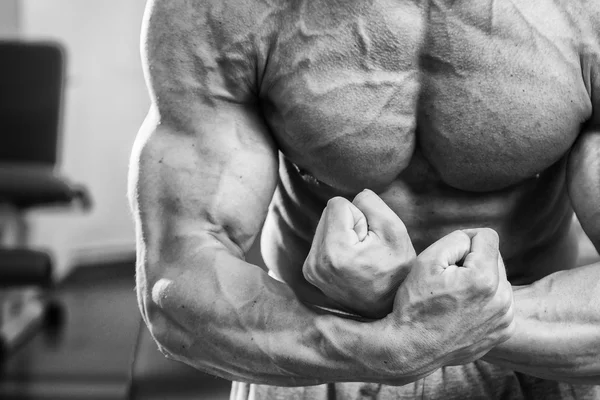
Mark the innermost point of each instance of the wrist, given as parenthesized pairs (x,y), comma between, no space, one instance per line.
(529,325)
(398,352)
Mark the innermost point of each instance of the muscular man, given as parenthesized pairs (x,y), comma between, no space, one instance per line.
(405,160)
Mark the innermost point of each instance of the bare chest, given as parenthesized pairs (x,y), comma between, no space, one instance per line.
(490,93)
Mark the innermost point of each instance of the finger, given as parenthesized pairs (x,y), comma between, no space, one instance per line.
(491,236)
(360,222)
(381,219)
(484,240)
(319,235)
(343,220)
(484,249)
(448,251)
(501,268)
(484,258)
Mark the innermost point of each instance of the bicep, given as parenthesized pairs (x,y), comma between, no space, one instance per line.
(203,162)
(583,181)
(218,179)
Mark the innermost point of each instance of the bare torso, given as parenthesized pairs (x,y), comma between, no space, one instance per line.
(458,114)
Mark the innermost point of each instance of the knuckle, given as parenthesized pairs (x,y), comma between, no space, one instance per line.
(309,262)
(510,313)
(363,196)
(452,241)
(504,295)
(487,287)
(483,284)
(505,307)
(336,202)
(326,259)
(392,233)
(461,238)
(506,302)
(506,321)
(454,237)
(460,235)
(491,234)
(308,273)
(507,332)
(397,227)
(332,257)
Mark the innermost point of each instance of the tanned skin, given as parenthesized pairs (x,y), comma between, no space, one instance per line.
(473,127)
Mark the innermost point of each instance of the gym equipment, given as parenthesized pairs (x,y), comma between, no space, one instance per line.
(31,93)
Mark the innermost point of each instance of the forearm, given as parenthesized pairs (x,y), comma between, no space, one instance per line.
(224,316)
(558,328)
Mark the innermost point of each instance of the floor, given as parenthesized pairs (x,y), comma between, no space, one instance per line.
(101,350)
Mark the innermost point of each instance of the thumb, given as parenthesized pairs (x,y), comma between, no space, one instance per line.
(341,218)
(449,250)
(381,219)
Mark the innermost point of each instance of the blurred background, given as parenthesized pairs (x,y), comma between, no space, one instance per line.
(69,323)
(104,105)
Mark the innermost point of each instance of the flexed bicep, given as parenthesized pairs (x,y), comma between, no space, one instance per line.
(206,158)
(204,167)
(583,181)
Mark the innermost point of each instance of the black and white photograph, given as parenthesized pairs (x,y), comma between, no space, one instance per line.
(299,199)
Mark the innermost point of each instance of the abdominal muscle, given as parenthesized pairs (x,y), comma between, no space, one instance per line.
(533,219)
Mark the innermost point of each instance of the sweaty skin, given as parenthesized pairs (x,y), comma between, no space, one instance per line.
(457,114)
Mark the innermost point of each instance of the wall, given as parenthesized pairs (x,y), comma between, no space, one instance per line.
(9,18)
(106,101)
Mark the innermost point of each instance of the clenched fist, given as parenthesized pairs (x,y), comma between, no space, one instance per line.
(458,295)
(360,254)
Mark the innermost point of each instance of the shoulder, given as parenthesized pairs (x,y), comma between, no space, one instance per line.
(212,43)
(220,21)
(589,22)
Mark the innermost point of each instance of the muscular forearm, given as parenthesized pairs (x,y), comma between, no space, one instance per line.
(558,328)
(229,318)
